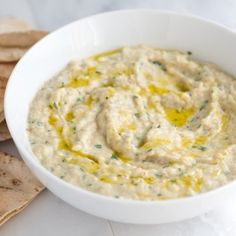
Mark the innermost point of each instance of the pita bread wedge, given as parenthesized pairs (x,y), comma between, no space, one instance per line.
(2,116)
(6,69)
(12,24)
(4,132)
(8,54)
(3,83)
(18,186)
(21,39)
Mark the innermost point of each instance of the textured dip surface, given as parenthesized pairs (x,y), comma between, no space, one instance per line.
(138,123)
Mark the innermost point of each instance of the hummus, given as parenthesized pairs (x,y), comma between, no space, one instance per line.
(138,123)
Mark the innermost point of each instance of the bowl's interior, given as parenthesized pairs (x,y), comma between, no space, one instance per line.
(103,32)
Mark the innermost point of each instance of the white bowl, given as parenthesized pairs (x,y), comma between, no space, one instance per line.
(91,35)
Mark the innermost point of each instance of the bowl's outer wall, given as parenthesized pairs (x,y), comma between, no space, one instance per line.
(85,37)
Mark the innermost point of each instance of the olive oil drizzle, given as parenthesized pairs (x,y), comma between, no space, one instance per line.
(65,144)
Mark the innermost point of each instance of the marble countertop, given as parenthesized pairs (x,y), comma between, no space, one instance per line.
(47,214)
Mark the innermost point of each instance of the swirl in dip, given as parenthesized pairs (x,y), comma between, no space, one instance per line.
(138,123)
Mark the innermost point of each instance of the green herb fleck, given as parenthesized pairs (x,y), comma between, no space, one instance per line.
(39,123)
(98,146)
(157,63)
(189,53)
(163,67)
(203,105)
(194,119)
(114,157)
(158,175)
(137,115)
(201,148)
(165,166)
(55,105)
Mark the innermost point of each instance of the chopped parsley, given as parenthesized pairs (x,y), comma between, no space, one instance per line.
(189,53)
(55,105)
(201,148)
(166,166)
(194,119)
(114,157)
(137,115)
(39,123)
(158,175)
(98,146)
(203,105)
(156,62)
(181,172)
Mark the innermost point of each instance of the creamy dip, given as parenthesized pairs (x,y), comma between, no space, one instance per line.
(139,123)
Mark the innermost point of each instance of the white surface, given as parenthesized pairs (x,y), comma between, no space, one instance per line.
(52,14)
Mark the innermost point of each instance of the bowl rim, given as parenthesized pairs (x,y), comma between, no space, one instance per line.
(33,160)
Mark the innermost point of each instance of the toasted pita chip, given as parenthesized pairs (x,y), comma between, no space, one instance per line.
(11,54)
(4,132)
(21,39)
(2,116)
(6,69)
(3,83)
(18,186)
(12,24)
